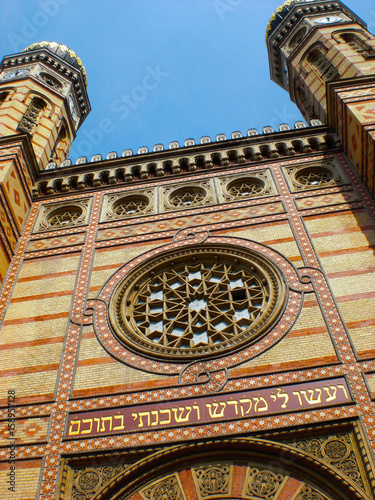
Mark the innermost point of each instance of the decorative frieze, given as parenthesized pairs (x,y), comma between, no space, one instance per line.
(252,150)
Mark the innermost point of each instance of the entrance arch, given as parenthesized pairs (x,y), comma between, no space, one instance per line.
(236,469)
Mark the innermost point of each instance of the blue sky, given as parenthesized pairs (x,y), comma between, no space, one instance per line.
(207,60)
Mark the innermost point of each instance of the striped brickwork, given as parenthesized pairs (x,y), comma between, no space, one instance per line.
(355,117)
(348,63)
(15,198)
(15,106)
(52,358)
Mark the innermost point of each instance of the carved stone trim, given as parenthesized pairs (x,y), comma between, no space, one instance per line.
(129,168)
(263,483)
(213,479)
(338,450)
(197,301)
(258,470)
(309,493)
(57,216)
(127,205)
(254,185)
(185,195)
(169,488)
(316,175)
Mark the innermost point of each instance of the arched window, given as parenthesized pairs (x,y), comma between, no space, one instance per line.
(3,96)
(61,144)
(357,42)
(32,116)
(322,66)
(302,101)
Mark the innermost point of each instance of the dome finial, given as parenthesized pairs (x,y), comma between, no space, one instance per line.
(63,52)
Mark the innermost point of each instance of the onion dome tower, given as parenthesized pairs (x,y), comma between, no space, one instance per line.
(43,102)
(43,93)
(322,54)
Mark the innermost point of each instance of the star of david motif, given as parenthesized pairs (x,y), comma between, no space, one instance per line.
(246,188)
(64,217)
(314,177)
(186,198)
(131,207)
(198,305)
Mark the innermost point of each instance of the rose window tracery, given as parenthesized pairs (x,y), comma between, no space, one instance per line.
(197,302)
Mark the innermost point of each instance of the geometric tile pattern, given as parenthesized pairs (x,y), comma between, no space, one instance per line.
(200,219)
(59,241)
(327,199)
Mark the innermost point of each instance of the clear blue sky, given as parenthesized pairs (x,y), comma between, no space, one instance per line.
(209,56)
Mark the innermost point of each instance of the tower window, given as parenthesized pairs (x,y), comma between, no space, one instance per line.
(51,81)
(322,66)
(357,43)
(3,96)
(61,144)
(32,116)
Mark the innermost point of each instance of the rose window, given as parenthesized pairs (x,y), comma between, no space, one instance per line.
(246,187)
(314,177)
(65,216)
(186,197)
(201,301)
(130,206)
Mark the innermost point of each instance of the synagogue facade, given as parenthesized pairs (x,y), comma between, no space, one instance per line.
(194,322)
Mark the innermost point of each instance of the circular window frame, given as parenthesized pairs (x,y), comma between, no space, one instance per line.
(65,208)
(131,197)
(127,292)
(255,180)
(323,169)
(188,189)
(98,311)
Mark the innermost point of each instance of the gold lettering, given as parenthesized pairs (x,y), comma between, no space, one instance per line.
(181,409)
(311,399)
(235,403)
(144,414)
(196,408)
(264,408)
(282,395)
(97,420)
(343,388)
(296,393)
(71,431)
(104,419)
(84,421)
(215,413)
(246,401)
(168,419)
(156,421)
(331,397)
(121,426)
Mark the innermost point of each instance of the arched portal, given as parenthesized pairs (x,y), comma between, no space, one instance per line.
(241,469)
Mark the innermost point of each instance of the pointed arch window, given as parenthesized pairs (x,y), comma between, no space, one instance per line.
(32,116)
(357,42)
(3,96)
(61,144)
(322,66)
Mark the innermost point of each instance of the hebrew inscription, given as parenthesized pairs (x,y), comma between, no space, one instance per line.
(234,406)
